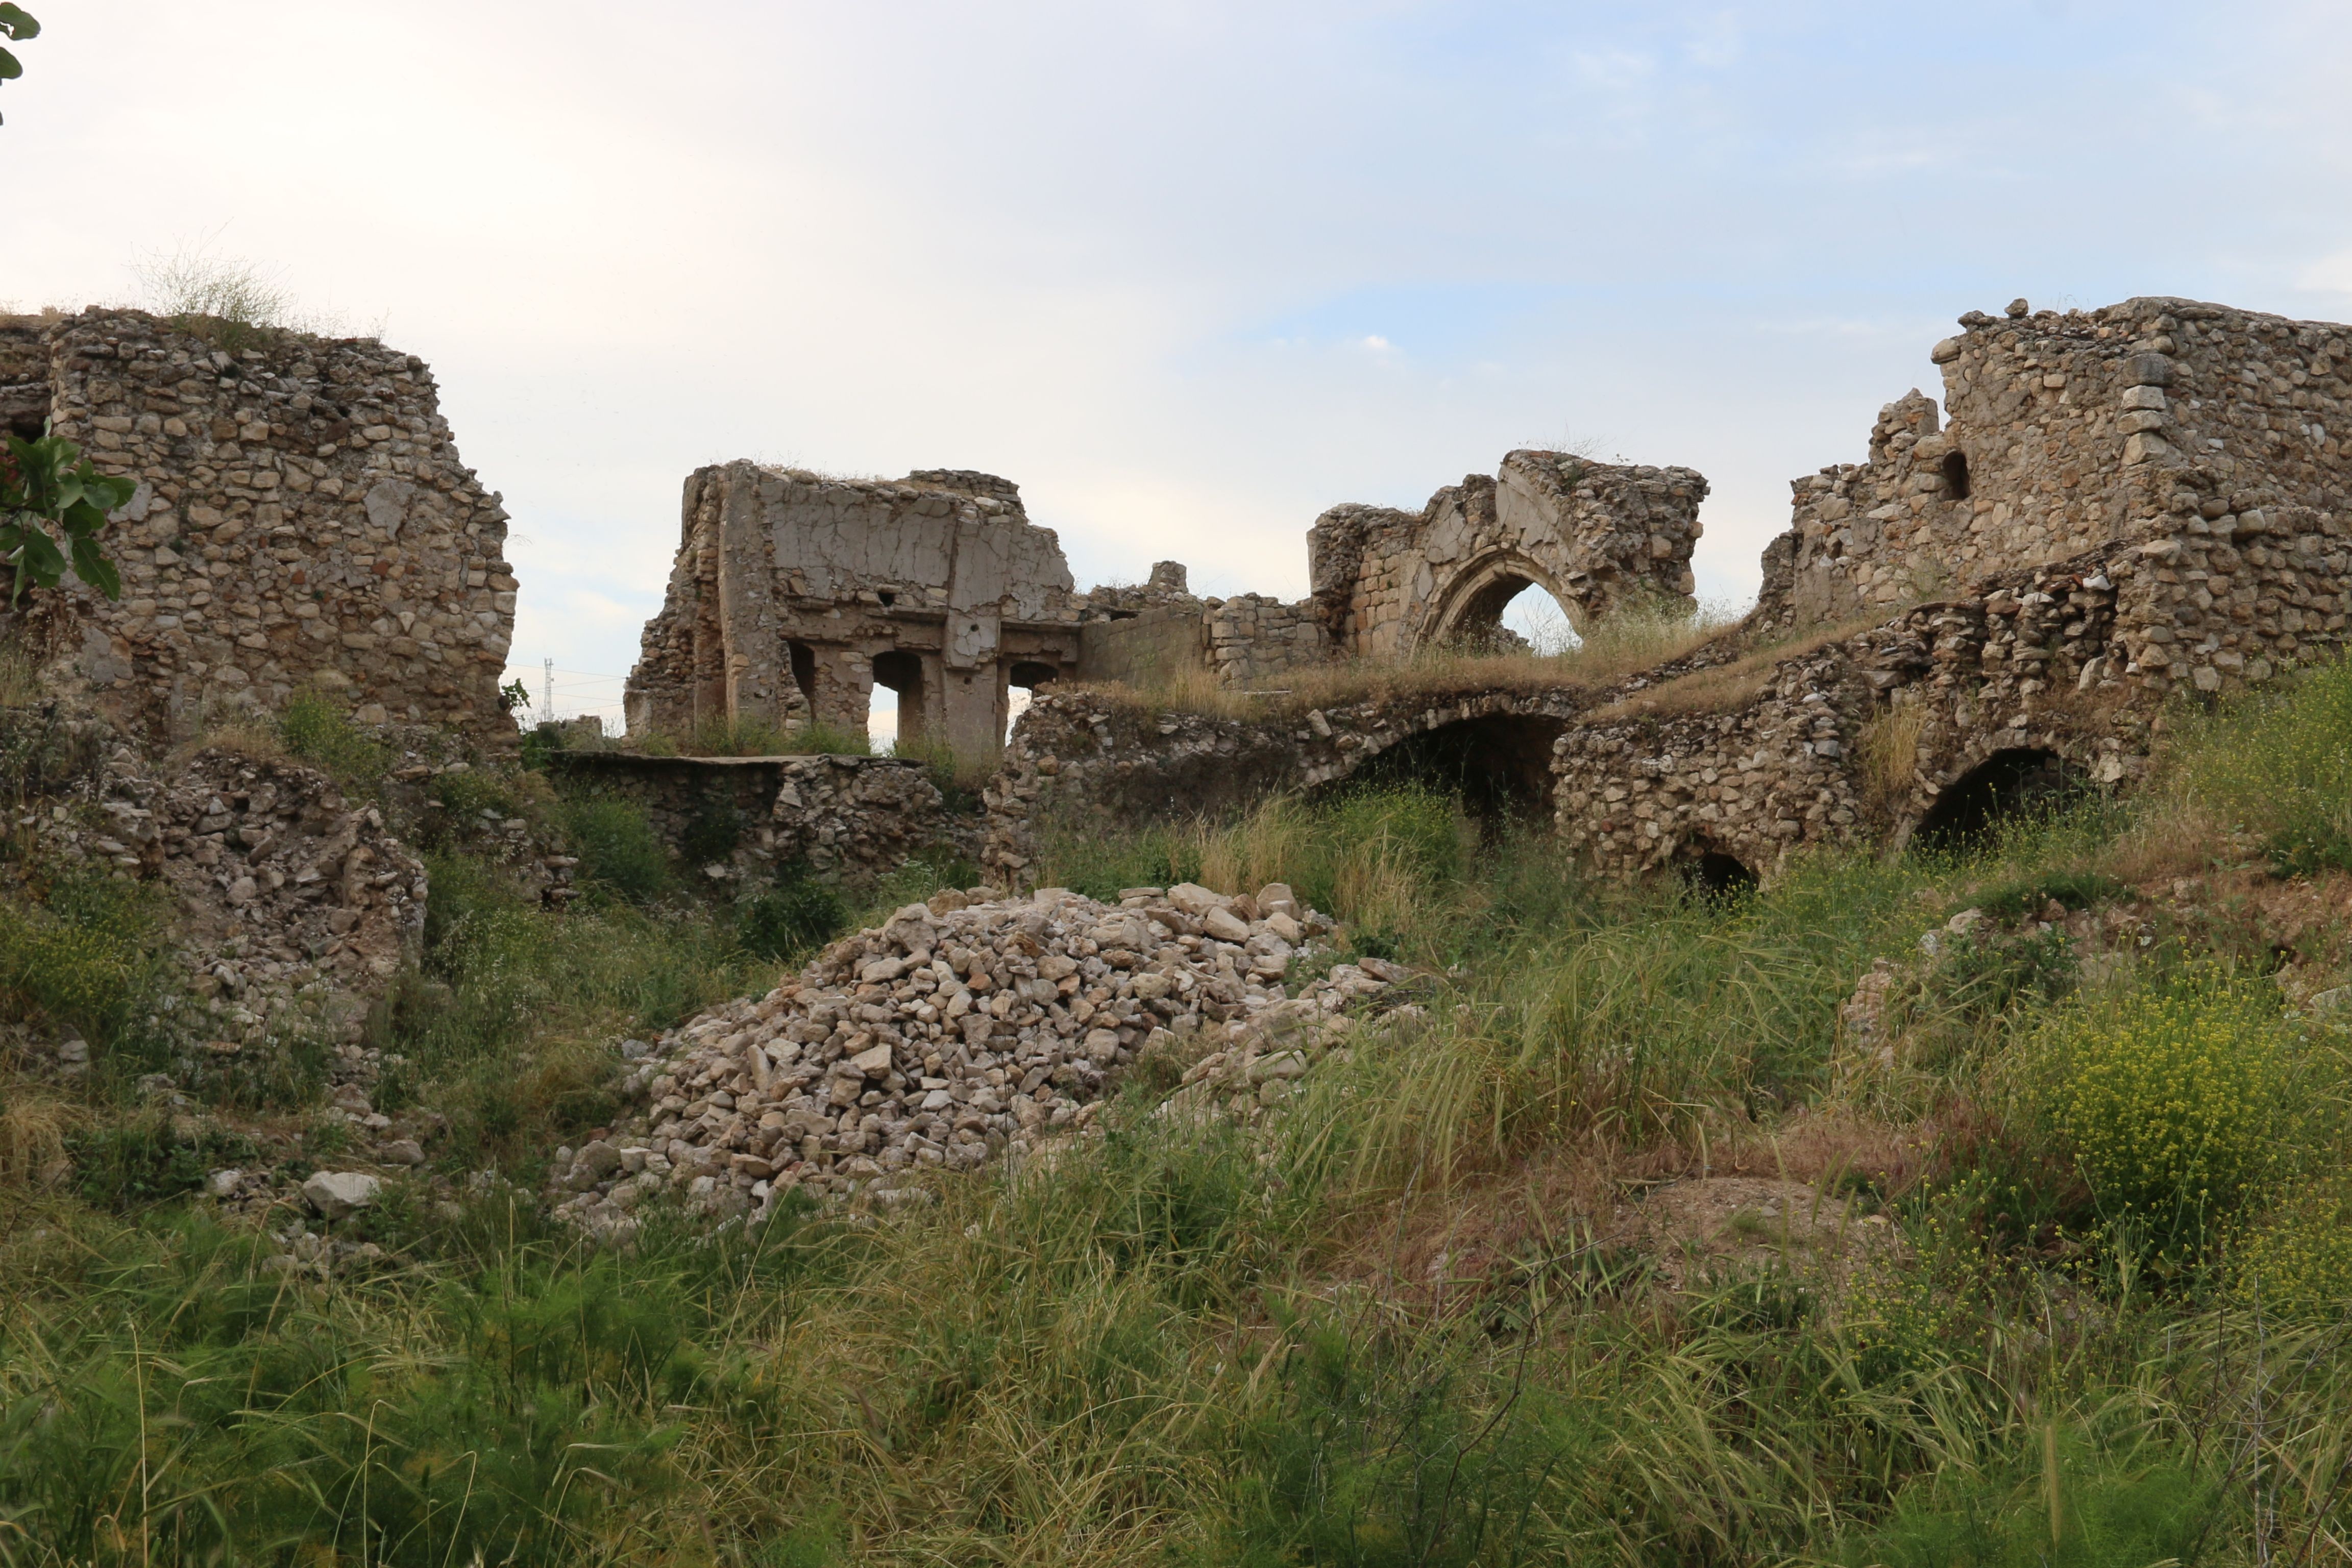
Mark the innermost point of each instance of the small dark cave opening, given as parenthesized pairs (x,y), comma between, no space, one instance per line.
(1499,767)
(2006,784)
(1713,874)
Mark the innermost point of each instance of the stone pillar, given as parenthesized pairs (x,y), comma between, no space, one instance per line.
(972,710)
(755,671)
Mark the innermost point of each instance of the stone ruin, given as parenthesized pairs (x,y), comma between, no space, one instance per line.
(793,595)
(301,519)
(2115,507)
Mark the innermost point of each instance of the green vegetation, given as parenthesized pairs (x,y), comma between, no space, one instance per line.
(316,730)
(2088,1304)
(16,25)
(54,504)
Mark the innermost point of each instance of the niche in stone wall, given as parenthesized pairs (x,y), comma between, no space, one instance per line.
(1956,476)
(2005,786)
(803,660)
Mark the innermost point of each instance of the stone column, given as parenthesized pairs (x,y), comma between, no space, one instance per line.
(755,654)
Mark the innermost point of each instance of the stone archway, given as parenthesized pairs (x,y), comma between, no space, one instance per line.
(1468,608)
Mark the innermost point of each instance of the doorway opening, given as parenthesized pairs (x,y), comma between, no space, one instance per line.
(900,674)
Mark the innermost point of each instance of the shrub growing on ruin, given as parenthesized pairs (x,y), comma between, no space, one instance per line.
(81,955)
(619,850)
(792,913)
(2298,1262)
(53,506)
(319,732)
(2177,1105)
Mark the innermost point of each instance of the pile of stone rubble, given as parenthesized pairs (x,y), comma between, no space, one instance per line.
(961,1030)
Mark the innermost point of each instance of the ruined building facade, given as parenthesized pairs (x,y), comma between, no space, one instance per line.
(2110,510)
(301,519)
(793,595)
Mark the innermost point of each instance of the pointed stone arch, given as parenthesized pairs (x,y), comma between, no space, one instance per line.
(1474,597)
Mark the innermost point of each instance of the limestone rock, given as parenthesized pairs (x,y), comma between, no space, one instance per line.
(334,1194)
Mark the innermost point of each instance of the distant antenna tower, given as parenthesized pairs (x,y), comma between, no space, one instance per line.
(547,692)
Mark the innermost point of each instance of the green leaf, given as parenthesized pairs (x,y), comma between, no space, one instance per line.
(108,492)
(40,557)
(82,519)
(17,21)
(92,567)
(9,69)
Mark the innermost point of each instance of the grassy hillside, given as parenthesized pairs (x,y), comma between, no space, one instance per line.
(1657,1229)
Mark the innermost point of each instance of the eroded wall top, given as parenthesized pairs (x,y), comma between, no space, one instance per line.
(2066,431)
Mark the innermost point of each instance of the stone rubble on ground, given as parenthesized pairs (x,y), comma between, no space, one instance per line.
(957,1031)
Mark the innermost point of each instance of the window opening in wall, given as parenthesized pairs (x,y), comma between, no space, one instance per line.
(1956,476)
(900,674)
(882,718)
(888,598)
(1535,615)
(1023,677)
(1511,613)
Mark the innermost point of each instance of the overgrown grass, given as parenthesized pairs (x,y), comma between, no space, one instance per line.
(507,1027)
(1317,1339)
(2278,768)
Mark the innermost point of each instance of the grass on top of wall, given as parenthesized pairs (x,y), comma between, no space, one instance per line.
(1635,638)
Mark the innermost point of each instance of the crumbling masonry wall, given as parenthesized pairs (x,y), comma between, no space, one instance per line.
(301,518)
(2196,435)
(793,595)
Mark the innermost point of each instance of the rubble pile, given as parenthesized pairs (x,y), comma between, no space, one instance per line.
(957,1031)
(291,902)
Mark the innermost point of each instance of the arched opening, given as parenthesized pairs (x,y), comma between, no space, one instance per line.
(1504,606)
(902,674)
(1023,679)
(1499,766)
(2005,785)
(1536,618)
(1713,873)
(1956,476)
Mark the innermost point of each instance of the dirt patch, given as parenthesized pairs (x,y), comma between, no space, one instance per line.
(1696,1229)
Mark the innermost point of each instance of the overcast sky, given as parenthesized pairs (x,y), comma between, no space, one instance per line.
(1189,273)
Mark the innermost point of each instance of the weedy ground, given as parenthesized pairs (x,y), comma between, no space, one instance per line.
(1422,1316)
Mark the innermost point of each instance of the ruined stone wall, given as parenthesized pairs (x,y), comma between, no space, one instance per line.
(1253,640)
(1857,740)
(301,517)
(2195,433)
(1080,762)
(788,587)
(848,818)
(1593,535)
